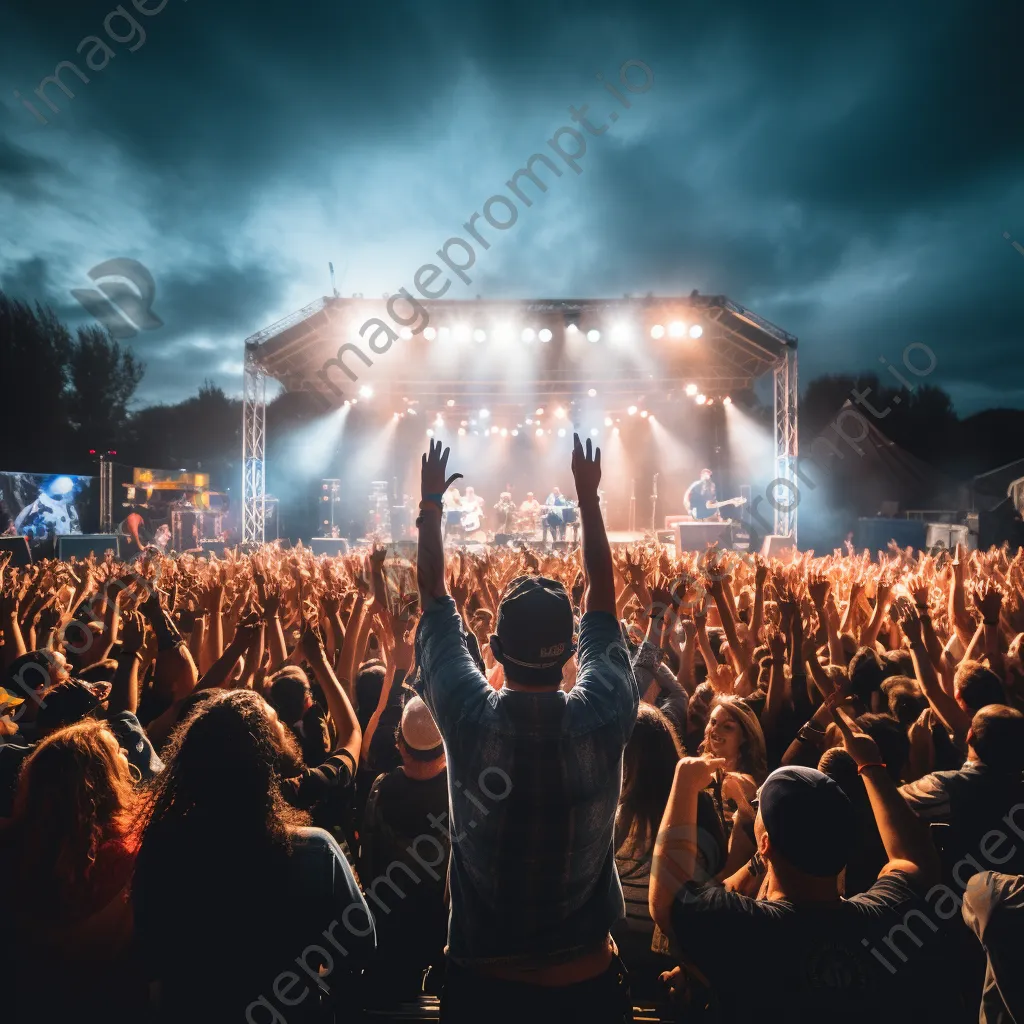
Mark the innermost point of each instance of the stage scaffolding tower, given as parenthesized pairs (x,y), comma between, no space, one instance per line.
(785,497)
(254,436)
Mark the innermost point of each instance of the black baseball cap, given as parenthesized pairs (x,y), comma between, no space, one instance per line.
(69,702)
(809,820)
(535,624)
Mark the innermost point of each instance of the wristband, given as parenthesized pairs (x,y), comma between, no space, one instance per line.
(430,503)
(861,768)
(437,499)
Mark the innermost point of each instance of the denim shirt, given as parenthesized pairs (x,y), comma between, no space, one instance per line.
(533,786)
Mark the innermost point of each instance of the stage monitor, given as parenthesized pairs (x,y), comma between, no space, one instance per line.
(84,544)
(329,546)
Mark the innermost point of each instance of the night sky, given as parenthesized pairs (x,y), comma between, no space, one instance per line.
(845,170)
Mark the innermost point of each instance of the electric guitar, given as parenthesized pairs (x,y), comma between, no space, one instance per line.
(726,501)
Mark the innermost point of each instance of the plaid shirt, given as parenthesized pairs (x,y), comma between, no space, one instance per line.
(533,786)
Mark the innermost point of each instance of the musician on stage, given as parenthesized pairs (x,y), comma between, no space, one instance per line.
(697,496)
(553,521)
(451,504)
(531,506)
(505,507)
(472,511)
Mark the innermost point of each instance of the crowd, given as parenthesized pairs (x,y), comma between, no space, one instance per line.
(275,787)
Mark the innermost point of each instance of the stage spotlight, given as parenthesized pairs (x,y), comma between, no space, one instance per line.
(561,431)
(539,412)
(545,335)
(450,403)
(412,412)
(430,433)
(529,421)
(484,413)
(429,333)
(631,410)
(479,335)
(438,420)
(607,421)
(711,401)
(503,332)
(504,432)
(560,413)
(620,332)
(515,433)
(444,333)
(571,329)
(405,333)
(676,329)
(701,399)
(527,334)
(397,416)
(347,402)
(696,331)
(650,419)
(643,414)
(658,331)
(592,392)
(727,400)
(462,431)
(593,335)
(691,389)
(462,333)
(464,423)
(593,431)
(540,432)
(366,391)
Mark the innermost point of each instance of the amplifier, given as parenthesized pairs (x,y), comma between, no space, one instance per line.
(18,547)
(775,545)
(945,535)
(697,535)
(874,533)
(329,546)
(79,545)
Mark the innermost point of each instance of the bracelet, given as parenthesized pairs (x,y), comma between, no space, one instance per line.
(430,503)
(437,499)
(871,764)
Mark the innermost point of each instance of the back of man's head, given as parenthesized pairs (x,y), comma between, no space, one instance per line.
(809,821)
(533,636)
(905,698)
(866,674)
(289,694)
(976,686)
(997,737)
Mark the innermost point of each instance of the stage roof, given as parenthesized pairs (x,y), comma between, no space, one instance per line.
(476,350)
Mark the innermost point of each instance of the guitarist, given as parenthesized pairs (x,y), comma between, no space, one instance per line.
(472,511)
(697,496)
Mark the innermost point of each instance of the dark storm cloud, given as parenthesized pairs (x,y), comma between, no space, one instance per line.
(845,170)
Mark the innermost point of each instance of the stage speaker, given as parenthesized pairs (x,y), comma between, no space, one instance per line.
(774,546)
(18,547)
(502,538)
(946,535)
(874,533)
(79,545)
(329,546)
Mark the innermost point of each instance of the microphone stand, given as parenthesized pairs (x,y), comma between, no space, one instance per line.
(654,508)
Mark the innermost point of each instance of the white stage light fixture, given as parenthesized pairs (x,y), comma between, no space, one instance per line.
(696,331)
(658,331)
(544,334)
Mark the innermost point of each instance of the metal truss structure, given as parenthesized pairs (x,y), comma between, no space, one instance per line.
(254,436)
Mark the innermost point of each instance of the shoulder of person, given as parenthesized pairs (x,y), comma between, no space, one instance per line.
(892,889)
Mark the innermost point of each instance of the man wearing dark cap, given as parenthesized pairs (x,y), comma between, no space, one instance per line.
(800,952)
(534,778)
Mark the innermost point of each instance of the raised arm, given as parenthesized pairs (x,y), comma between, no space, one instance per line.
(434,481)
(597,553)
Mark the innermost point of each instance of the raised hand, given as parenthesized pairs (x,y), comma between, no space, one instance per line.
(433,472)
(988,599)
(586,468)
